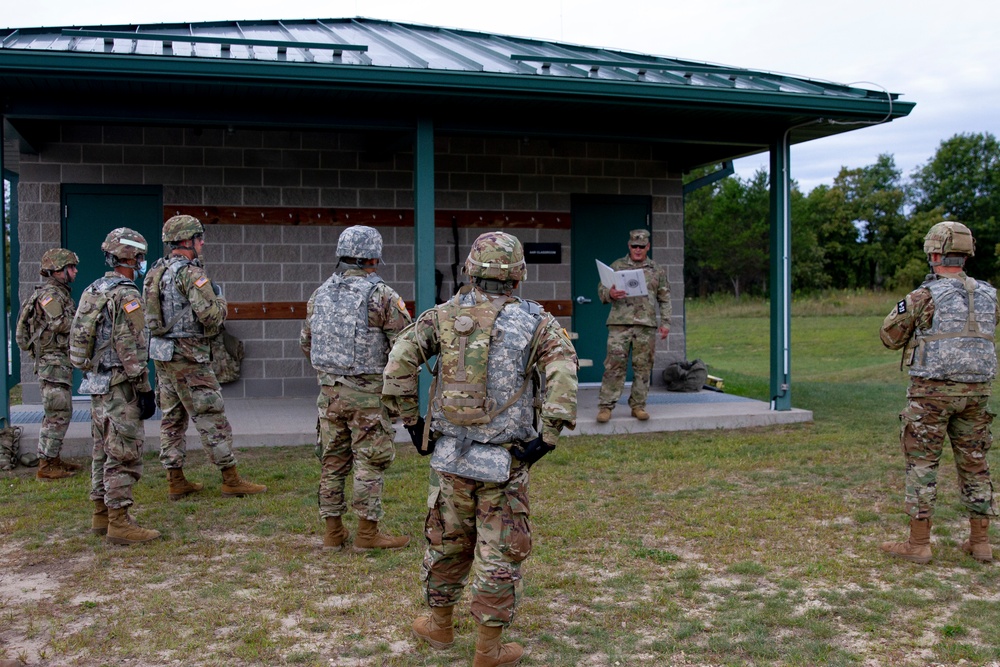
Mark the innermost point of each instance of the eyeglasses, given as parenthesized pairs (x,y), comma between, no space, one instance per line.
(638,247)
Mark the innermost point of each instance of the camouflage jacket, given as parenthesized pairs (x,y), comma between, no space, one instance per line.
(640,310)
(916,312)
(128,332)
(386,311)
(209,310)
(555,359)
(52,317)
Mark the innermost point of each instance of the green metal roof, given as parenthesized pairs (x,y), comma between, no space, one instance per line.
(365,73)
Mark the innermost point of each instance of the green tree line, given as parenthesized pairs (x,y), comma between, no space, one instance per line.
(863,231)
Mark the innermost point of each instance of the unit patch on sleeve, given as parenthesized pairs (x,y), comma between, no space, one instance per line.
(901,307)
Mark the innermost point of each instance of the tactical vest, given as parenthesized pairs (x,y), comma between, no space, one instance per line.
(90,339)
(342,341)
(175,308)
(483,390)
(959,344)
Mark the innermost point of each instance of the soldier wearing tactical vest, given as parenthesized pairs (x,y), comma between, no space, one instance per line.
(108,343)
(946,329)
(185,311)
(633,323)
(43,332)
(488,423)
(350,322)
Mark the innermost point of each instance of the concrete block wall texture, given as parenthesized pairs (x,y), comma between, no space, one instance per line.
(254,263)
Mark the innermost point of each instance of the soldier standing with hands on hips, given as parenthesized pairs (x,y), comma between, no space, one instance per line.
(108,343)
(185,311)
(946,329)
(484,434)
(351,320)
(633,324)
(43,332)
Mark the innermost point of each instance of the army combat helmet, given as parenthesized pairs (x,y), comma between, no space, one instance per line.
(496,262)
(181,228)
(949,238)
(124,244)
(57,259)
(360,242)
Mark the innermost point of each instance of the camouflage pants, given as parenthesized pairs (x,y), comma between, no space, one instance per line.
(57,402)
(118,439)
(966,421)
(189,390)
(480,528)
(355,434)
(642,341)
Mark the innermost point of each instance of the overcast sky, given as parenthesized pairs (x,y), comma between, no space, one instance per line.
(940,54)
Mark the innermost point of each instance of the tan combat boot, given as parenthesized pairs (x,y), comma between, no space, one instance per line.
(336,534)
(67,465)
(978,544)
(99,522)
(640,414)
(178,486)
(917,548)
(436,628)
(48,470)
(122,528)
(603,415)
(490,652)
(369,538)
(235,486)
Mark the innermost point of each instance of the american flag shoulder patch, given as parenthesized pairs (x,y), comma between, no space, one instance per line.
(132,306)
(201,282)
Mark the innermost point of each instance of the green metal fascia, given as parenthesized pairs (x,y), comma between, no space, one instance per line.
(158,69)
(206,39)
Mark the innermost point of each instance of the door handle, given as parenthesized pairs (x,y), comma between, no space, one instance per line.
(582,300)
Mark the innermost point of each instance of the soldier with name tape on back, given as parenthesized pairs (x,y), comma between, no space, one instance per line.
(350,321)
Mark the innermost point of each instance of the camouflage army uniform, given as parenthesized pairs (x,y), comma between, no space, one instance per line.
(115,425)
(474,526)
(354,427)
(53,315)
(633,323)
(937,407)
(187,386)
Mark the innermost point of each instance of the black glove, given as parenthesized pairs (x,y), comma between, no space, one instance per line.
(417,437)
(530,452)
(216,290)
(147,404)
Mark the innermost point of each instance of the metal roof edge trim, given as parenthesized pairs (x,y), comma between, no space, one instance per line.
(272,74)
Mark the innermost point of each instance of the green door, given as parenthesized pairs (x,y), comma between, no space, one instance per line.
(600,231)
(89,212)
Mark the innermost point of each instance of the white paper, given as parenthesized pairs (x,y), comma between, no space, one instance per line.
(632,281)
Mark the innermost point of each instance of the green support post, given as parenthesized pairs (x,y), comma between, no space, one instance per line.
(781,277)
(4,330)
(423,222)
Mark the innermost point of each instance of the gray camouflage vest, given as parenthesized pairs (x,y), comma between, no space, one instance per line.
(175,306)
(959,344)
(507,370)
(102,332)
(342,341)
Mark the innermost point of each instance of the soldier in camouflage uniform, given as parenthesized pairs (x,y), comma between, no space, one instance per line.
(350,322)
(43,332)
(493,351)
(108,343)
(186,311)
(946,329)
(633,323)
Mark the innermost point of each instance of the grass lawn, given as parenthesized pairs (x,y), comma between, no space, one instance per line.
(751,547)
